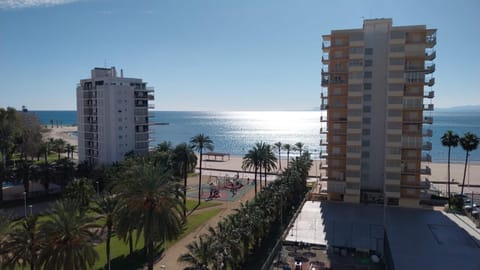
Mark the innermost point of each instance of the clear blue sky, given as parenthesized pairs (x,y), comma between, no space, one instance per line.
(213,55)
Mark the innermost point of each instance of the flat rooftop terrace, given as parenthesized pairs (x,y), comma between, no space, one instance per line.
(417,238)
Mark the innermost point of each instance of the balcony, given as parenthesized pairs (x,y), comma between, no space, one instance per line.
(427,133)
(428,107)
(430,56)
(323,106)
(325,59)
(430,82)
(325,82)
(428,120)
(326,46)
(426,171)
(323,96)
(323,155)
(151,97)
(150,89)
(323,142)
(151,106)
(427,146)
(427,158)
(430,69)
(430,94)
(323,119)
(430,41)
(323,131)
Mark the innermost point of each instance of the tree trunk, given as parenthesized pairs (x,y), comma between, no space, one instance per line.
(130,243)
(279,159)
(448,175)
(200,178)
(255,181)
(185,176)
(464,172)
(150,254)
(107,246)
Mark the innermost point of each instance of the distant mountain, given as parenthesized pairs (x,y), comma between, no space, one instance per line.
(467,108)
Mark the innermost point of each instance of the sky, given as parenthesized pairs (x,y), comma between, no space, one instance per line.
(213,55)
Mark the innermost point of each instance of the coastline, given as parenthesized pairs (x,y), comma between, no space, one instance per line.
(438,169)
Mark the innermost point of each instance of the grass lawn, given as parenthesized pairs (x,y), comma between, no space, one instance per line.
(119,249)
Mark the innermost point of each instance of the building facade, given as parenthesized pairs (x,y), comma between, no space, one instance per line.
(377,91)
(112,116)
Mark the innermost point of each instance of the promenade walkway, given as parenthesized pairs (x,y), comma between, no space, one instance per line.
(169,260)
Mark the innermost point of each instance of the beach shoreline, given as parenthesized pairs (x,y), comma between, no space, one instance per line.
(234,163)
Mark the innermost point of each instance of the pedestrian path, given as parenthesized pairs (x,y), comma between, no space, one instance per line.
(169,260)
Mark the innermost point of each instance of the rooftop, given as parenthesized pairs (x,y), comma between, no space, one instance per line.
(417,238)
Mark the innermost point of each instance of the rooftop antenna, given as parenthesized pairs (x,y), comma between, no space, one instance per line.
(105,63)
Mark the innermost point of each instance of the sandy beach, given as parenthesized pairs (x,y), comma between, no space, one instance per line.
(63,132)
(234,163)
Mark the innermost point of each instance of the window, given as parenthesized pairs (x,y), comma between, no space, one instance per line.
(367,75)
(365,143)
(366,120)
(367,109)
(368,51)
(365,132)
(367,86)
(368,63)
(367,97)
(397,48)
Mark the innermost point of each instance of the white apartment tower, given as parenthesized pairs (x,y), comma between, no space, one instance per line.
(377,93)
(112,116)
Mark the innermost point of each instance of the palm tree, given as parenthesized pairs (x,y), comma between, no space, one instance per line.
(200,254)
(69,237)
(108,208)
(268,159)
(183,161)
(59,146)
(449,139)
(278,147)
(200,142)
(469,142)
(23,243)
(253,159)
(287,147)
(153,196)
(298,147)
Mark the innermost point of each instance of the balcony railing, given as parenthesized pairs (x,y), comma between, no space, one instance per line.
(427,133)
(431,41)
(426,171)
(427,158)
(428,120)
(323,131)
(430,69)
(324,106)
(430,82)
(427,146)
(325,59)
(430,56)
(428,107)
(323,142)
(323,96)
(429,94)
(323,119)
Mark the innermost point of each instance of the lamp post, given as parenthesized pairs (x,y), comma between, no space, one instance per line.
(25,202)
(98,188)
(31,209)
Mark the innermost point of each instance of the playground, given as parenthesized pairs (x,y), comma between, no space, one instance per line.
(221,188)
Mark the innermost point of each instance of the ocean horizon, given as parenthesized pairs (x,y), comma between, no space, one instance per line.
(235,132)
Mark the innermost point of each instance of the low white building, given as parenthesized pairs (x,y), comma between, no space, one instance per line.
(112,116)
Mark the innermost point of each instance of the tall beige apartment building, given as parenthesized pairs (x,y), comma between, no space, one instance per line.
(113,116)
(376,90)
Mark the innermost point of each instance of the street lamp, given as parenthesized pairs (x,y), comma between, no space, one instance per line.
(25,202)
(98,188)
(31,209)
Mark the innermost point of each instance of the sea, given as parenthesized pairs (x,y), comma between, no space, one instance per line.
(235,132)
